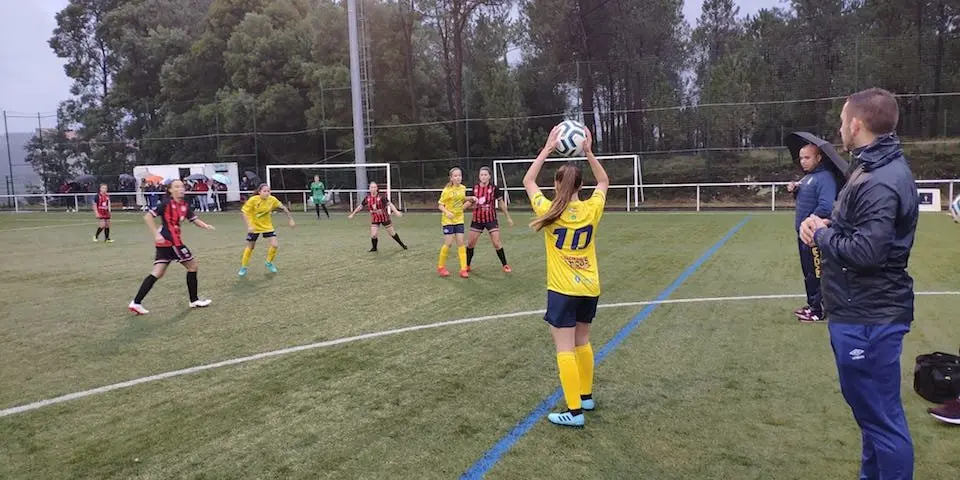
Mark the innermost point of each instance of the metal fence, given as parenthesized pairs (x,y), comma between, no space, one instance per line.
(665,196)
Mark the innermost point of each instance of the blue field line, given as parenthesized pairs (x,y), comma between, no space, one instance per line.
(492,456)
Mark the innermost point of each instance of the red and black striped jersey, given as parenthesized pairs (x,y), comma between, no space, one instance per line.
(172,213)
(484,210)
(377,206)
(103,203)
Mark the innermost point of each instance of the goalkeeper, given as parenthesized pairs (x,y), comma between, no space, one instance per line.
(318,192)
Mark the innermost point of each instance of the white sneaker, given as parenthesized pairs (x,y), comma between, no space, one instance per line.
(200,303)
(137,308)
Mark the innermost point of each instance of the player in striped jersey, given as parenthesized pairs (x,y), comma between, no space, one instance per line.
(380,207)
(101,207)
(569,228)
(173,210)
(485,217)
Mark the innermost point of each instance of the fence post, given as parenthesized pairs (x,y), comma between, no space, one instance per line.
(44,203)
(16,204)
(76,204)
(304,202)
(950,193)
(773,197)
(698,197)
(400,199)
(628,199)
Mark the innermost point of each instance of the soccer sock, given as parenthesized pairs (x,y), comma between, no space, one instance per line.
(247,252)
(444,250)
(106,233)
(396,236)
(462,256)
(585,366)
(317,206)
(373,241)
(569,379)
(271,253)
(98,233)
(503,256)
(144,288)
(469,256)
(324,211)
(192,286)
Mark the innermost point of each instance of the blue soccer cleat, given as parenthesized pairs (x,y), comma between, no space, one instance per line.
(566,419)
(271,267)
(242,272)
(588,404)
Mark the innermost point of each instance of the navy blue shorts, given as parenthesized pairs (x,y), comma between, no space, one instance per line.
(451,229)
(481,226)
(564,311)
(252,237)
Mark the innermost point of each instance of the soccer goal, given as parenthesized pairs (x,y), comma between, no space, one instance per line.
(291,183)
(626,178)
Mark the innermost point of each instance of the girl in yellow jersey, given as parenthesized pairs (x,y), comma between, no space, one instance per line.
(573,281)
(453,200)
(257,215)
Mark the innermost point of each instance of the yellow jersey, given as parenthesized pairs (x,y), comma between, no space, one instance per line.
(258,211)
(571,245)
(453,198)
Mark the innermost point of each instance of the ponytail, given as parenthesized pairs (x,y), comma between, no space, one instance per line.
(568,181)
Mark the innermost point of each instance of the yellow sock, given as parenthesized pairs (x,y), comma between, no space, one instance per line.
(462,256)
(247,252)
(444,250)
(585,366)
(271,253)
(569,378)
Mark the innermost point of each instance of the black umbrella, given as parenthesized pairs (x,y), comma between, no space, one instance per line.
(197,177)
(251,175)
(85,179)
(832,159)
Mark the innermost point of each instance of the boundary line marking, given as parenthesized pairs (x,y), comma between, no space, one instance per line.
(3,230)
(367,336)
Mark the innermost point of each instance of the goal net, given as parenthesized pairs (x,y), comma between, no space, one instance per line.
(291,183)
(626,178)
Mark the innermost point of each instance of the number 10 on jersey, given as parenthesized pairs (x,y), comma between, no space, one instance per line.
(577,237)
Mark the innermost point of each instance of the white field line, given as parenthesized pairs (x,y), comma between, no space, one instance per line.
(366,336)
(91,222)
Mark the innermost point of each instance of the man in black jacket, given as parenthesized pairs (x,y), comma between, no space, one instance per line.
(867,292)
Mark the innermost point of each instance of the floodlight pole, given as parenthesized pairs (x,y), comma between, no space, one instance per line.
(359,143)
(11,190)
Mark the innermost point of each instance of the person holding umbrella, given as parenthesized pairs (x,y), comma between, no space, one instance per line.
(815,194)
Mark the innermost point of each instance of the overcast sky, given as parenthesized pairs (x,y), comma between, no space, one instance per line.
(32,78)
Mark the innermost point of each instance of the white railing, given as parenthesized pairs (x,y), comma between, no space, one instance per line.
(135,201)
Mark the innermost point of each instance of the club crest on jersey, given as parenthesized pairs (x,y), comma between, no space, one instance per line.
(183,209)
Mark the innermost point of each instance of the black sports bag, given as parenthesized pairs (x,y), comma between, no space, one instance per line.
(936,377)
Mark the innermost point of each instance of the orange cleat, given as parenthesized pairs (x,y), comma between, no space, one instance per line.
(464,273)
(443,271)
(507,269)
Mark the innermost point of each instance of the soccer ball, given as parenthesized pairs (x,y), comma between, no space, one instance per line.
(955,209)
(570,138)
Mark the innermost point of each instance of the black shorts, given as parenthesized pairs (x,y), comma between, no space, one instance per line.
(252,237)
(385,223)
(173,254)
(564,311)
(481,226)
(452,229)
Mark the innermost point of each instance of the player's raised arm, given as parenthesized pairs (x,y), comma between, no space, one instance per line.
(603,181)
(530,179)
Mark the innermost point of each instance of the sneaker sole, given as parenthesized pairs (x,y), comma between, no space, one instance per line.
(952,421)
(135,311)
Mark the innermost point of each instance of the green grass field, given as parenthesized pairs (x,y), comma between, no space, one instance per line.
(724,389)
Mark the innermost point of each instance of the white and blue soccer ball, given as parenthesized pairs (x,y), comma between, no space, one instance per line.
(570,138)
(955,209)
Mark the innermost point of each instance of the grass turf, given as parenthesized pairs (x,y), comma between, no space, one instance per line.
(709,390)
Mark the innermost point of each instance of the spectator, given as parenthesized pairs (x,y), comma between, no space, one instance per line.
(815,194)
(202,190)
(867,292)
